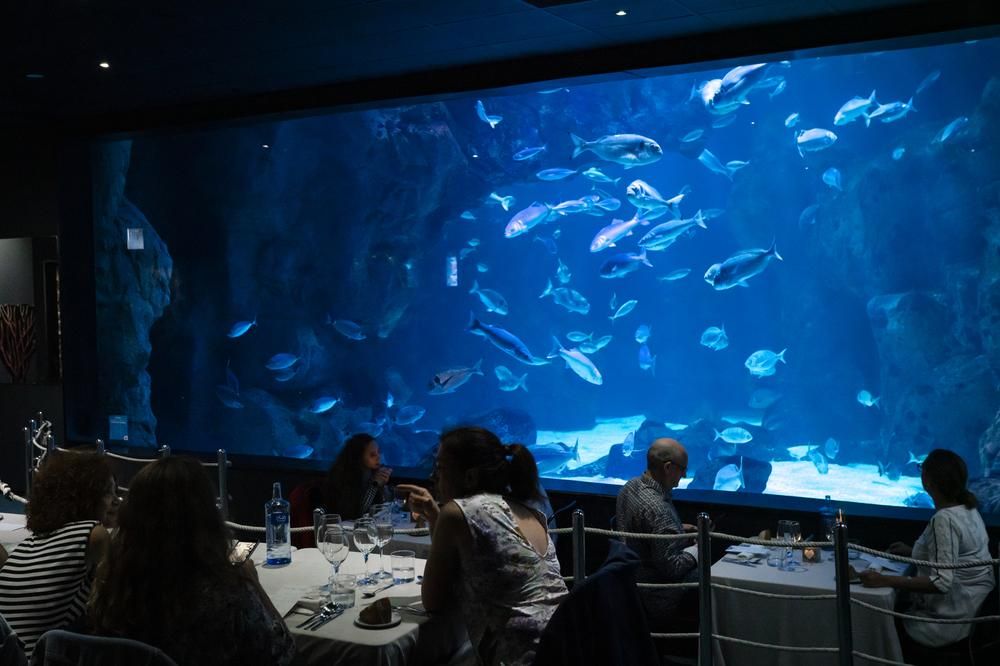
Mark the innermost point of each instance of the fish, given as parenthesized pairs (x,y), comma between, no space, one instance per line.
(602,342)
(625,308)
(482,268)
(492,121)
(916,460)
(550,91)
(577,362)
(562,273)
(409,415)
(819,460)
(627,149)
(323,404)
(284,375)
(763,398)
(578,336)
(714,164)
(792,120)
(734,435)
(808,215)
(735,165)
(664,235)
(465,252)
(548,243)
(613,303)
(621,265)
(737,269)
(467,215)
(555,174)
(228,397)
(473,242)
(832,178)
(893,111)
(606,205)
(726,95)
(729,478)
(448,381)
(554,457)
(505,202)
(628,444)
(493,301)
(573,206)
(570,299)
(642,333)
(724,121)
(528,218)
(349,329)
(677,274)
(811,140)
(389,400)
(715,338)
(889,470)
(778,89)
(528,153)
(589,347)
(241,327)
(693,135)
(509,381)
(866,398)
(598,176)
(299,451)
(646,359)
(762,363)
(281,361)
(928,81)
(799,452)
(951,129)
(614,232)
(831,448)
(503,340)
(854,108)
(897,153)
(643,195)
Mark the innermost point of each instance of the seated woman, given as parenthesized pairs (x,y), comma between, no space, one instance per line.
(45,582)
(357,480)
(168,581)
(956,533)
(491,554)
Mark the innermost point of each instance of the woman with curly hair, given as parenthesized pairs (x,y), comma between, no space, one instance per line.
(45,582)
(357,479)
(168,581)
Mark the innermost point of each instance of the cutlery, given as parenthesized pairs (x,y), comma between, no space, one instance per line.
(745,563)
(320,619)
(332,616)
(411,609)
(325,608)
(369,595)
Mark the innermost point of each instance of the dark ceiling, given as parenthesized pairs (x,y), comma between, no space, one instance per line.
(174,62)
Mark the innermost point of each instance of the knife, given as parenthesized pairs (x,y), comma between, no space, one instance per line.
(332,616)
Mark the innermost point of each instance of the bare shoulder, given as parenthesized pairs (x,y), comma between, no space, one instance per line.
(99,536)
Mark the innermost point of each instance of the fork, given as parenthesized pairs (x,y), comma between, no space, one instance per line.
(325,608)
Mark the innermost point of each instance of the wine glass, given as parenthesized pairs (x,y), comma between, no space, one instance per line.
(381,532)
(327,520)
(789,530)
(364,541)
(334,546)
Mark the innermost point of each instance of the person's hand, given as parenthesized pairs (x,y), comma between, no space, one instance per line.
(872,578)
(899,548)
(381,476)
(688,527)
(421,501)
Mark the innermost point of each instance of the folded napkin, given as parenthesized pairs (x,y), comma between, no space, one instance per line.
(748,551)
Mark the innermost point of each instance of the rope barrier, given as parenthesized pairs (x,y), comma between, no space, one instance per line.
(668,585)
(6,491)
(880,660)
(561,530)
(920,618)
(692,634)
(769,646)
(771,543)
(774,595)
(638,535)
(926,563)
(118,456)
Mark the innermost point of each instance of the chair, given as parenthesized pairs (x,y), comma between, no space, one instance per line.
(305,497)
(602,621)
(64,648)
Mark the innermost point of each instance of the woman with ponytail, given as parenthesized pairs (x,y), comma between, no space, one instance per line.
(491,555)
(956,533)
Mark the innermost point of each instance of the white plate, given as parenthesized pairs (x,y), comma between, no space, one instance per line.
(396,619)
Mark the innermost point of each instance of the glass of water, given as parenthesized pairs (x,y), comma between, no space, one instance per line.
(789,530)
(403,567)
(364,541)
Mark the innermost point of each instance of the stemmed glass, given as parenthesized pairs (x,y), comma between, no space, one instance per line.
(789,530)
(364,541)
(381,532)
(327,520)
(334,546)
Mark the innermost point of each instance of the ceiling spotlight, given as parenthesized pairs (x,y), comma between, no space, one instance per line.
(104,65)
(264,146)
(34,76)
(621,12)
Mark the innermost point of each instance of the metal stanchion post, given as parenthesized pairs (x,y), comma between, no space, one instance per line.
(50,443)
(100,446)
(579,549)
(704,590)
(29,460)
(845,641)
(164,451)
(223,483)
(318,514)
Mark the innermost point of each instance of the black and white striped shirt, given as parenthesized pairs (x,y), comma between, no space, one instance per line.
(45,583)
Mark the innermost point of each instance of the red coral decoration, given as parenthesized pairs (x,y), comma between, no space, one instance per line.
(17,339)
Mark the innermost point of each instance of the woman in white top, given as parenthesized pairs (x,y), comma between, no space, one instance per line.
(956,533)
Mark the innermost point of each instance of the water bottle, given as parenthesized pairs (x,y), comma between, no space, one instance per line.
(827,518)
(276,519)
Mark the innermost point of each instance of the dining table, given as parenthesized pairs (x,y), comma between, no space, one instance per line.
(419,639)
(416,538)
(794,622)
(13,530)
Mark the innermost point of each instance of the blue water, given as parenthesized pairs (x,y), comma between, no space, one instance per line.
(332,236)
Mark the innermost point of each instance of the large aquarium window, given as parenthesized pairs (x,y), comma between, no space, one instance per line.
(792,267)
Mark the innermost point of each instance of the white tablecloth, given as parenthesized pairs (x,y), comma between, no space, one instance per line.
(795,622)
(417,640)
(12,530)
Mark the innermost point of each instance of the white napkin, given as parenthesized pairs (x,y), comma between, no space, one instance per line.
(748,551)
(285,598)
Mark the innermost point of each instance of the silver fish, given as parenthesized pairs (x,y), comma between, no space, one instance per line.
(626,149)
(621,265)
(602,342)
(867,399)
(554,457)
(281,361)
(951,129)
(448,381)
(762,363)
(897,153)
(505,202)
(349,329)
(693,135)
(409,415)
(740,267)
(664,235)
(808,215)
(578,336)
(527,219)
(554,174)
(811,140)
(509,381)
(928,81)
(854,108)
(625,308)
(599,176)
(714,164)
(893,111)
(528,153)
(677,274)
(831,448)
(819,460)
(614,232)
(715,338)
(646,359)
(642,333)
(577,362)
(570,299)
(792,120)
(729,478)
(492,300)
(503,340)
(562,273)
(734,435)
(323,404)
(492,121)
(240,327)
(832,178)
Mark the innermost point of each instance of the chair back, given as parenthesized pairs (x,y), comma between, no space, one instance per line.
(65,648)
(303,499)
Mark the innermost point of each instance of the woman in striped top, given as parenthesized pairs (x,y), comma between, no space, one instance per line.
(45,582)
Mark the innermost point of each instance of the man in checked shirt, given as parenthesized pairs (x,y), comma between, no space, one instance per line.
(644,505)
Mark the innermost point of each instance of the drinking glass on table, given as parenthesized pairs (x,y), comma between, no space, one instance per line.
(364,541)
(382,532)
(332,519)
(334,546)
(789,530)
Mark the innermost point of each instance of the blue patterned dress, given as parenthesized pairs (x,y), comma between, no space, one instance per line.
(510,591)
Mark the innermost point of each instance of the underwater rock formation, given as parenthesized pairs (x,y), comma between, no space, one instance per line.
(133,289)
(512,426)
(755,473)
(989,451)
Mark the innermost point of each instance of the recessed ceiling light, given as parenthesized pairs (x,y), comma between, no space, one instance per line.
(104,65)
(264,146)
(34,76)
(621,12)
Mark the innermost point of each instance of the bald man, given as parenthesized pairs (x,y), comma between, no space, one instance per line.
(644,506)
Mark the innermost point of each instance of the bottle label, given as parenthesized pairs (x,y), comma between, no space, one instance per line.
(278,518)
